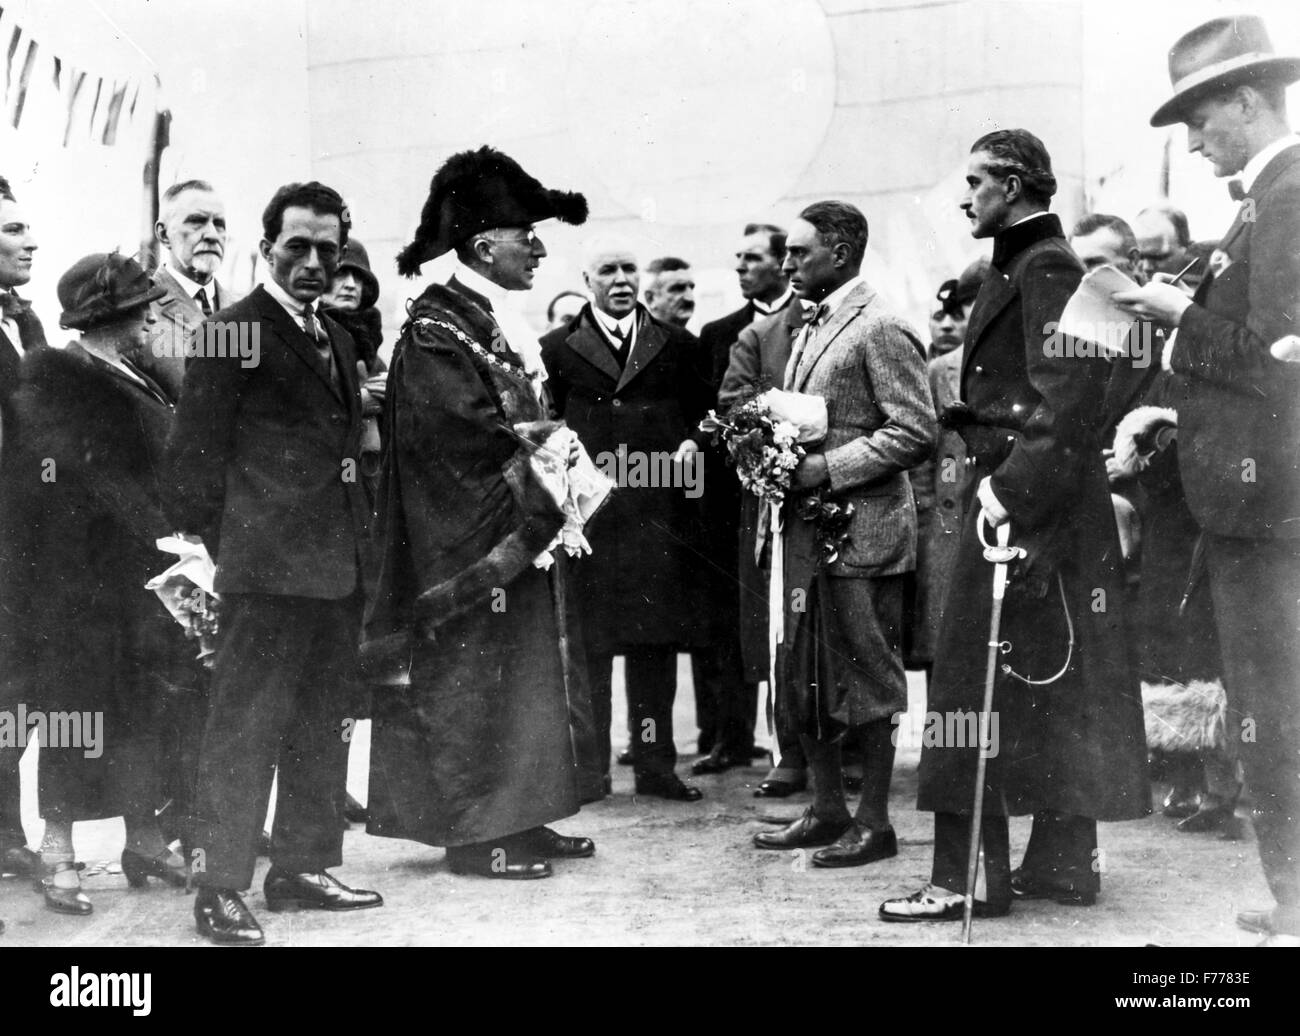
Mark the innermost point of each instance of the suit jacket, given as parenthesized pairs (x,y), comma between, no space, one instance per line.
(177,315)
(718,336)
(641,584)
(869,366)
(33,335)
(264,459)
(756,360)
(1239,426)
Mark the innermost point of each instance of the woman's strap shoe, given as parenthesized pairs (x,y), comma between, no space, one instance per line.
(166,866)
(64,900)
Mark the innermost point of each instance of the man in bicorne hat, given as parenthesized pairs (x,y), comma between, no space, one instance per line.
(479,755)
(1239,419)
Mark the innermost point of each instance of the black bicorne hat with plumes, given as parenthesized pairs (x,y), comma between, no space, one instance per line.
(479,190)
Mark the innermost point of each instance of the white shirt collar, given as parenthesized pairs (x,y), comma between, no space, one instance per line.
(291,305)
(519,336)
(610,323)
(479,284)
(1250,172)
(192,287)
(1032,215)
(775,306)
(835,299)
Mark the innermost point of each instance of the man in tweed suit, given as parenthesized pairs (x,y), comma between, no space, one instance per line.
(842,655)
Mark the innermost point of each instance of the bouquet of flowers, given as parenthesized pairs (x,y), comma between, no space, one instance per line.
(185,589)
(764,447)
(831,519)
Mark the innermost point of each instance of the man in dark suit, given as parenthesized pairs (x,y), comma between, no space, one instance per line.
(192,228)
(720,668)
(635,389)
(1065,739)
(841,661)
(264,463)
(1239,419)
(20,333)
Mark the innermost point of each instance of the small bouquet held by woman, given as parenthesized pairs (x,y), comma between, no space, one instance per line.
(763,433)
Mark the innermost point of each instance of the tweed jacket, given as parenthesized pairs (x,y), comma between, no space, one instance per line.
(869,367)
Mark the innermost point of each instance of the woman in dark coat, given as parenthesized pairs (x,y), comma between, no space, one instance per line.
(82,517)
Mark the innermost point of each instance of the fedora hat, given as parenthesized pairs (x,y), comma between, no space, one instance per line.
(101,288)
(1221,53)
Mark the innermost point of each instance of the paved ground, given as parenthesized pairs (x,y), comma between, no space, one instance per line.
(681,874)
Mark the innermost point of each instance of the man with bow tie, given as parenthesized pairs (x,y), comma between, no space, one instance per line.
(1239,416)
(20,334)
(841,664)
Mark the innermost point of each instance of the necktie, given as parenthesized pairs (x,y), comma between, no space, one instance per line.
(623,339)
(12,306)
(201,297)
(1236,190)
(310,325)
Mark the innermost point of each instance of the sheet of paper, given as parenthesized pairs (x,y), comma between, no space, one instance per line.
(1091,316)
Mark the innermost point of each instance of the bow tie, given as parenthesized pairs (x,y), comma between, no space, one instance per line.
(12,306)
(1236,190)
(818,315)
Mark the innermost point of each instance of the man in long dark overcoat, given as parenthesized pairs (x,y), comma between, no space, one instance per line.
(1067,709)
(635,390)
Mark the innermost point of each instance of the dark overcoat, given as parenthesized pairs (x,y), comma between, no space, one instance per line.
(940,485)
(641,584)
(479,746)
(81,513)
(1075,744)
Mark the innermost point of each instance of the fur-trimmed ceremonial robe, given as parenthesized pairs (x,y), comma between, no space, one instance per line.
(479,746)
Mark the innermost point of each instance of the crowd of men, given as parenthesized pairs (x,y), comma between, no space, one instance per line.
(405,527)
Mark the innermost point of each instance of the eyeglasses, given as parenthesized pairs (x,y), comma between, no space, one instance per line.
(529,238)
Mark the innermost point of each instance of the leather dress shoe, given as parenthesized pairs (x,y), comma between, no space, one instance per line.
(624,758)
(667,786)
(64,900)
(808,830)
(719,761)
(551,845)
(934,904)
(1260,921)
(319,891)
(857,846)
(166,866)
(20,861)
(776,789)
(1207,818)
(496,861)
(1067,893)
(1180,803)
(220,915)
